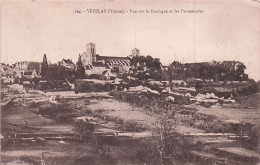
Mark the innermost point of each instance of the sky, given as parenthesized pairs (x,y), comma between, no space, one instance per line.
(226,30)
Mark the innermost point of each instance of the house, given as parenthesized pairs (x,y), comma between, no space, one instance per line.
(88,69)
(95,68)
(67,63)
(7,78)
(165,68)
(6,69)
(98,67)
(141,67)
(26,66)
(7,73)
(30,74)
(108,75)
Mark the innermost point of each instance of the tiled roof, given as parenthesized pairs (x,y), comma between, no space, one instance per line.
(87,67)
(104,72)
(98,64)
(28,72)
(68,61)
(111,58)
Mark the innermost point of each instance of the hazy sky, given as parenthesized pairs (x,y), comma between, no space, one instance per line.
(228,30)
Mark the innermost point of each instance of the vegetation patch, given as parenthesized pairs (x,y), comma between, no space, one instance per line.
(187,116)
(60,113)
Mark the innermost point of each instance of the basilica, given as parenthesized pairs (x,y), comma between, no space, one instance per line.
(97,64)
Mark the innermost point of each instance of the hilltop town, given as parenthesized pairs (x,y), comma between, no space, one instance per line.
(225,79)
(90,64)
(128,110)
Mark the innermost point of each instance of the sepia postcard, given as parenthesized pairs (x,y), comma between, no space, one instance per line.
(133,82)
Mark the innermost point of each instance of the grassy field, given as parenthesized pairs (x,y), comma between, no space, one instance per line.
(28,114)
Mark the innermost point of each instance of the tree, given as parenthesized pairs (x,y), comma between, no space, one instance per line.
(147,61)
(156,63)
(167,137)
(44,67)
(240,68)
(137,60)
(84,129)
(80,69)
(165,145)
(173,71)
(59,72)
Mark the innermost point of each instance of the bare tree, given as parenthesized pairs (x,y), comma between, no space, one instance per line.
(164,129)
(168,143)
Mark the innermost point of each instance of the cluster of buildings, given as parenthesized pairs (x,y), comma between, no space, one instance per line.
(108,66)
(19,70)
(105,65)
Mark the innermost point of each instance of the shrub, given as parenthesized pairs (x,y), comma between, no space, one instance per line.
(64,118)
(175,146)
(254,134)
(131,126)
(106,155)
(84,129)
(61,113)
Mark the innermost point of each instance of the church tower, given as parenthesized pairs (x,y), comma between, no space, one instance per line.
(91,52)
(135,52)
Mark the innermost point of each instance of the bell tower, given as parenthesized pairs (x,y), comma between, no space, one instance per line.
(91,52)
(135,52)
